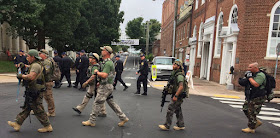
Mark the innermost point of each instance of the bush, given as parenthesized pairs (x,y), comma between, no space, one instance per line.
(150,57)
(7,66)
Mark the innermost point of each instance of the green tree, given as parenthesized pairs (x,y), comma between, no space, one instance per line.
(135,29)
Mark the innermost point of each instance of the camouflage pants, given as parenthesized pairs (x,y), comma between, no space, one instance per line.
(48,96)
(102,95)
(251,109)
(86,99)
(38,109)
(174,107)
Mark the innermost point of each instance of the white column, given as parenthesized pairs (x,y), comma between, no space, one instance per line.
(15,45)
(222,74)
(210,56)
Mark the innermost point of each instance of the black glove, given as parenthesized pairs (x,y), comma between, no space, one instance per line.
(249,74)
(19,76)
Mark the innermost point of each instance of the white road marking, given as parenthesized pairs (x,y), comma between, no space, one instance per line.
(263,108)
(127,84)
(228,102)
(276,124)
(269,113)
(269,118)
(228,99)
(147,85)
(67,82)
(132,78)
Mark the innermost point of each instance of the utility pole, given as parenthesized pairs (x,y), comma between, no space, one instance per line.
(147,36)
(174,27)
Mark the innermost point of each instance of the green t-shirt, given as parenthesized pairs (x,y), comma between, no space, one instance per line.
(108,67)
(37,68)
(260,79)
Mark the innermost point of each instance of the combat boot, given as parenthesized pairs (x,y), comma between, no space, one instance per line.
(163,127)
(125,87)
(88,123)
(178,128)
(77,110)
(15,125)
(120,124)
(32,112)
(248,130)
(259,123)
(51,114)
(46,129)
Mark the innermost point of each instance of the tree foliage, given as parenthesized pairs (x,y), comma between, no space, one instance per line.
(69,24)
(136,29)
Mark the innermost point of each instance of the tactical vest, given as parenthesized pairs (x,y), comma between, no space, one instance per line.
(39,83)
(174,84)
(110,75)
(89,72)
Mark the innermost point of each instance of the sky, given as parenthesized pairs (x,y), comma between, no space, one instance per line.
(148,9)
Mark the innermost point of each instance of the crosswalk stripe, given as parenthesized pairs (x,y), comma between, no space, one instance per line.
(67,82)
(147,85)
(276,124)
(227,102)
(269,113)
(132,78)
(127,84)
(263,108)
(228,99)
(234,103)
(133,68)
(269,118)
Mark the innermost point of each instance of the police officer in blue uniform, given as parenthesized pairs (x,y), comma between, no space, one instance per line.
(82,68)
(119,70)
(65,68)
(20,60)
(143,72)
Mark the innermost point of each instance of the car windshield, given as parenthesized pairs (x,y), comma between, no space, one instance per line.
(163,61)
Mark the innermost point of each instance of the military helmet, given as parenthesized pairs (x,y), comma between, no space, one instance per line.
(35,53)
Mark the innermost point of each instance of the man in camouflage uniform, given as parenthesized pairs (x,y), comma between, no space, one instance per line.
(105,90)
(255,96)
(48,94)
(93,59)
(178,94)
(33,94)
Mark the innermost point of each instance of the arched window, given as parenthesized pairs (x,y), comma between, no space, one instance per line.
(200,40)
(218,42)
(274,31)
(196,4)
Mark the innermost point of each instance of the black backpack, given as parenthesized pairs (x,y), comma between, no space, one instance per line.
(270,85)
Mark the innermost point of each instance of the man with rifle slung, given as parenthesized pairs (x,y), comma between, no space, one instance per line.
(33,94)
(178,88)
(92,82)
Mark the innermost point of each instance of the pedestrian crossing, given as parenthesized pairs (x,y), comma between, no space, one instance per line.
(269,114)
(67,82)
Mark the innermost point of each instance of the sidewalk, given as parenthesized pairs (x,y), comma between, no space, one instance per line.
(8,77)
(210,89)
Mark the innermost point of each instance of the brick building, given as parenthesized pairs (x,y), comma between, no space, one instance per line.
(229,33)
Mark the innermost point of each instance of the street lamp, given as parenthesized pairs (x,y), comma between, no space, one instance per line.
(174,26)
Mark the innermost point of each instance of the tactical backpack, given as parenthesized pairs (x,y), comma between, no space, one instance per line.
(56,74)
(270,84)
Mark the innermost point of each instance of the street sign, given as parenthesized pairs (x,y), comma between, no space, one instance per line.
(126,42)
(154,72)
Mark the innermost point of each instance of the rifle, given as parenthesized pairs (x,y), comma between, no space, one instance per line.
(164,94)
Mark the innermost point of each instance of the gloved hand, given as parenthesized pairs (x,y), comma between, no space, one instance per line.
(21,65)
(19,76)
(85,85)
(249,74)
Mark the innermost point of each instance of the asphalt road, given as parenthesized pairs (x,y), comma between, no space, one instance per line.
(203,116)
